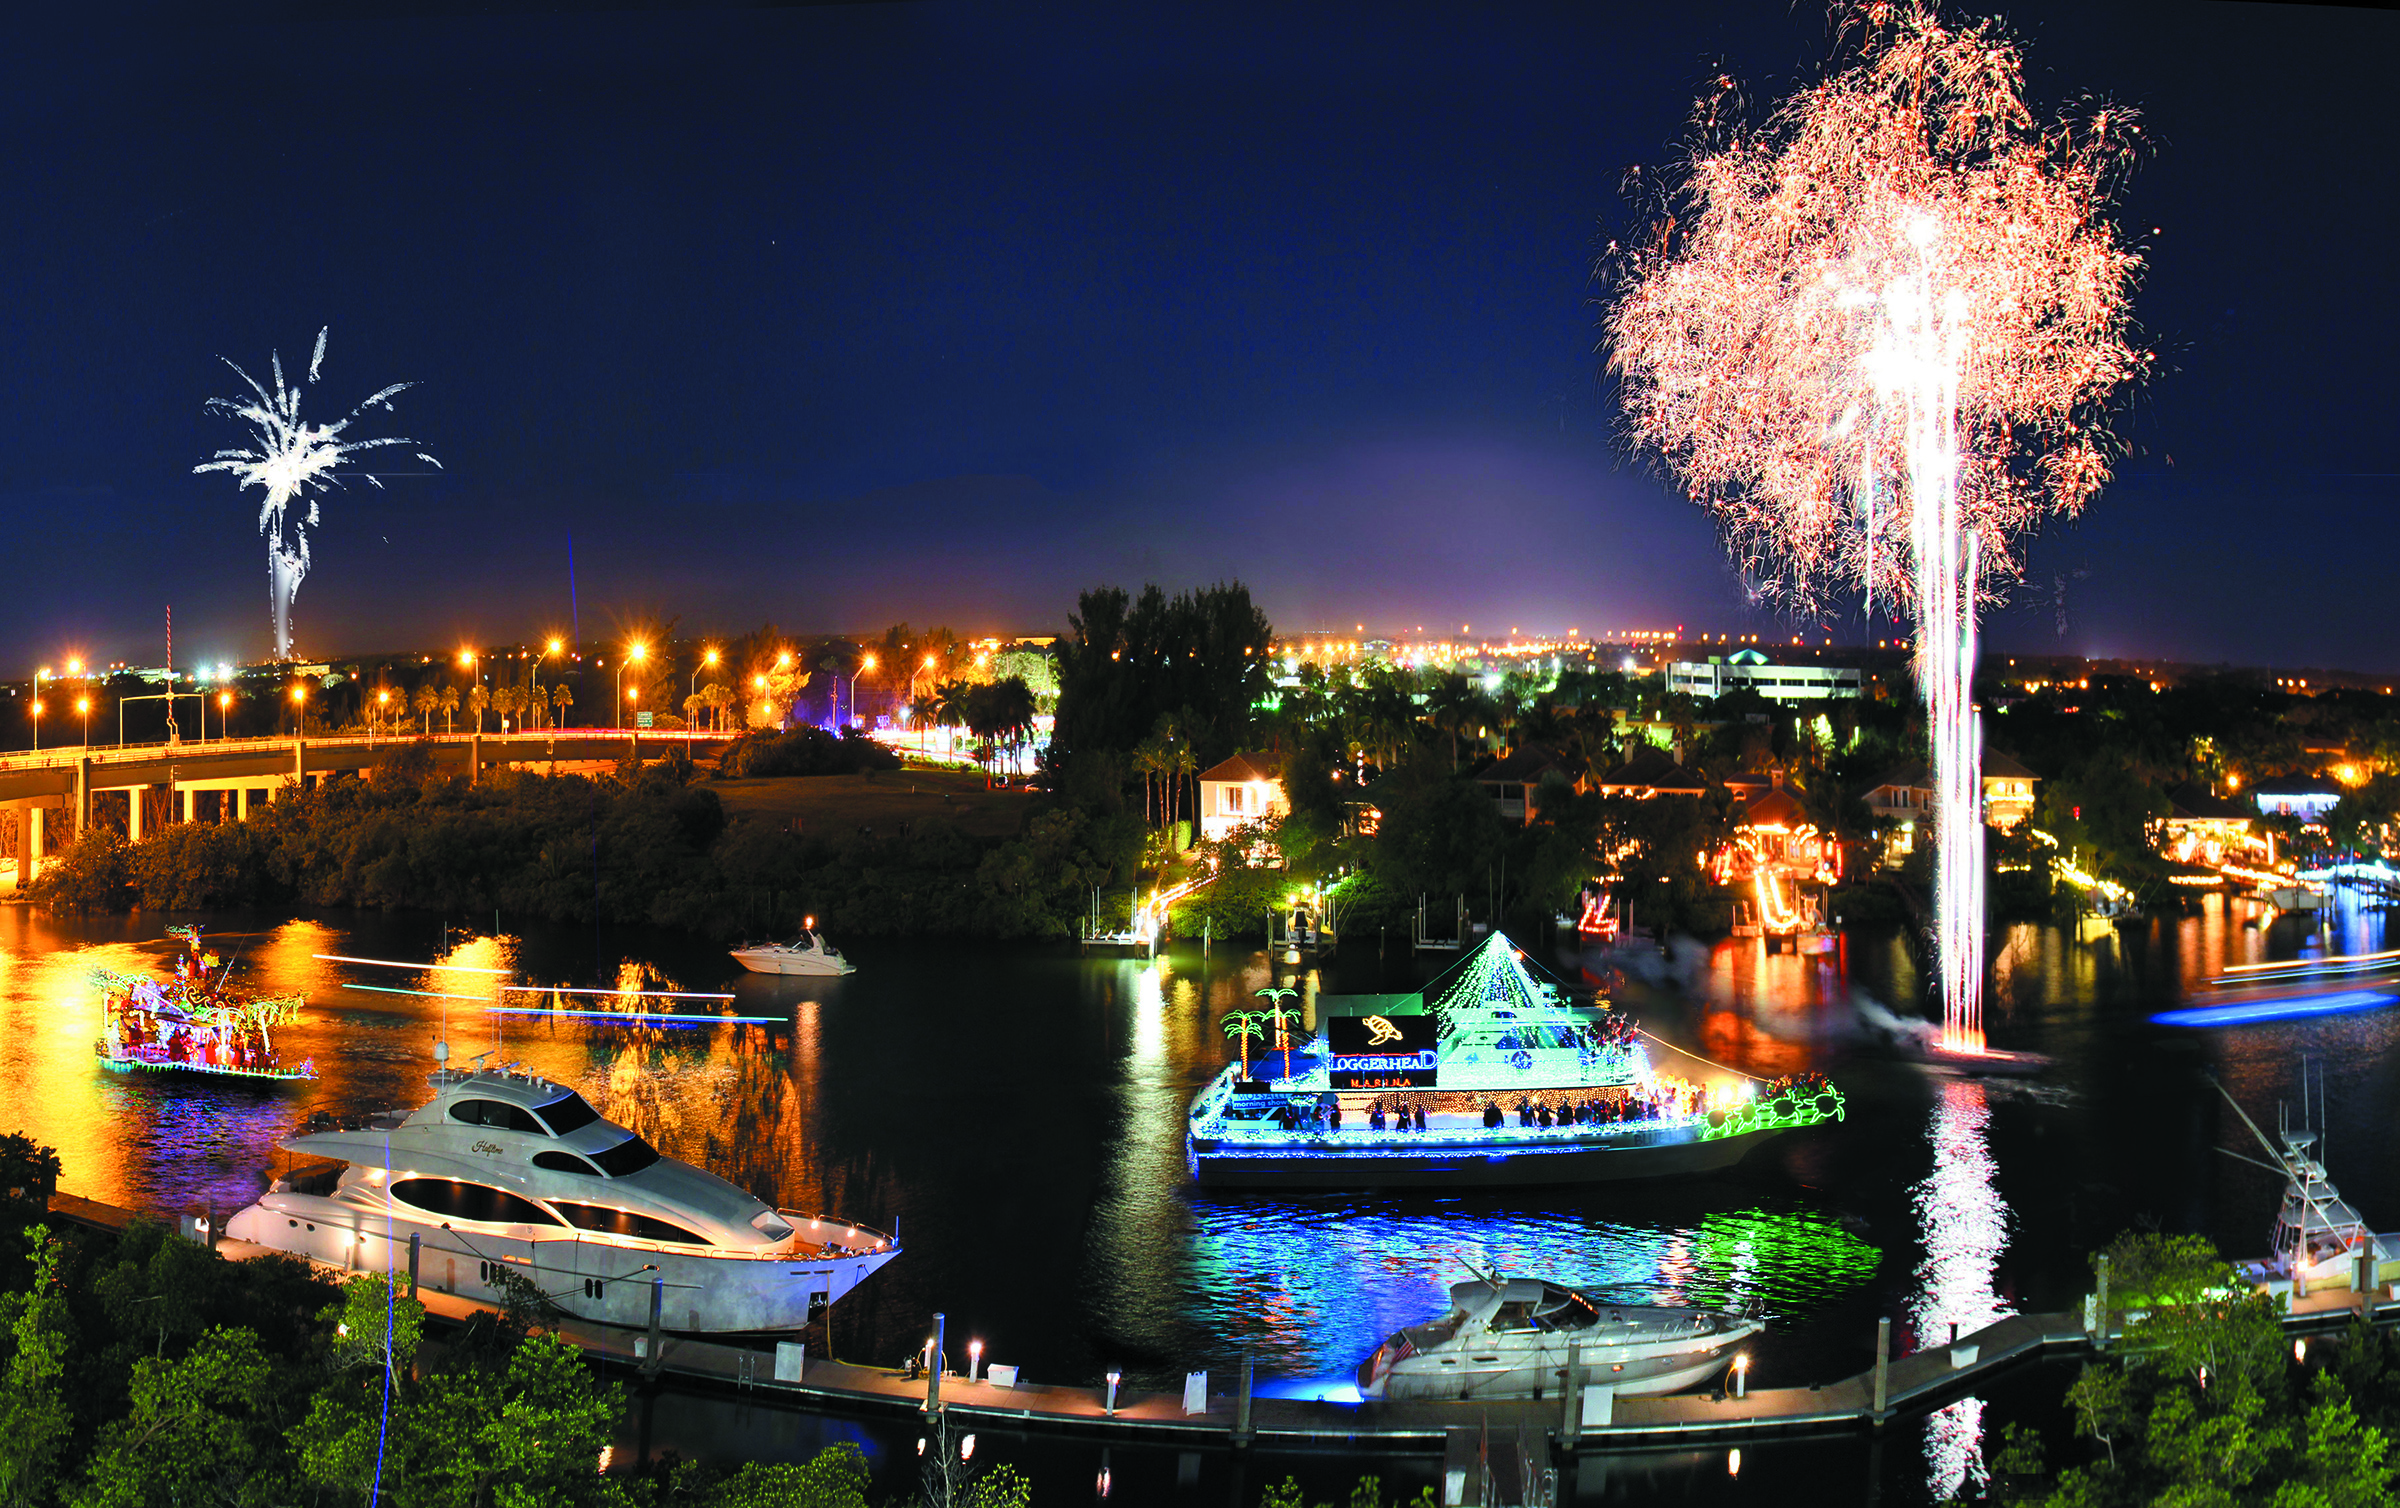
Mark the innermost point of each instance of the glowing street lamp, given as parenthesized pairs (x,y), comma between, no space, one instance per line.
(83,704)
(383,703)
(37,708)
(224,713)
(540,703)
(635,655)
(299,698)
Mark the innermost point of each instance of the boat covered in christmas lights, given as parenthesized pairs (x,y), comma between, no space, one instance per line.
(1488,1077)
(1514,1338)
(194,1021)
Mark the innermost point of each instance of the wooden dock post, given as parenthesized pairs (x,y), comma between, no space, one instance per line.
(416,1246)
(933,1369)
(1883,1367)
(2100,1306)
(658,1306)
(1570,1395)
(1241,1407)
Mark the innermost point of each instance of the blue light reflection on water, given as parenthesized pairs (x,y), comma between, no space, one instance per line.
(2280,1008)
(1315,1288)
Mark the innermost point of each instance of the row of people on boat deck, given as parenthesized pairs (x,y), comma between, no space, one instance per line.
(1400,1118)
(219,1049)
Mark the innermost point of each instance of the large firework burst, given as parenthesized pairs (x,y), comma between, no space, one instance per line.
(1876,336)
(291,460)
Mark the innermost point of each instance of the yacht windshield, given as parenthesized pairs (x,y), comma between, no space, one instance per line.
(569,1114)
(628,1156)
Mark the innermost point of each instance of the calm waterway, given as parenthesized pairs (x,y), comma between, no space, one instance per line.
(1017,1116)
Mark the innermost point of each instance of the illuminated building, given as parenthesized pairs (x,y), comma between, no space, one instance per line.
(1246,789)
(1652,772)
(1510,781)
(2201,828)
(2307,797)
(1778,864)
(2007,790)
(1901,800)
(1747,669)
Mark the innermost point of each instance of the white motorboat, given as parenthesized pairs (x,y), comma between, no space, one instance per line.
(809,954)
(1512,1337)
(504,1173)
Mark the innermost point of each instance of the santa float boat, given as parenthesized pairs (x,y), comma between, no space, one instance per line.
(1486,1078)
(193,1022)
(505,1183)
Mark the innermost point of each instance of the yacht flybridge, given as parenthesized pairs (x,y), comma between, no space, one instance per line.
(508,1173)
(1513,1337)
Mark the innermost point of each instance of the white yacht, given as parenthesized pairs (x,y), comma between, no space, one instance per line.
(1509,1338)
(504,1172)
(809,954)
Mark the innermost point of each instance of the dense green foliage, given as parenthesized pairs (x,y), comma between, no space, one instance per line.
(651,845)
(803,751)
(2204,1402)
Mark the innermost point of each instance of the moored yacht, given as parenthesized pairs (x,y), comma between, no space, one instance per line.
(1512,1338)
(506,1173)
(810,953)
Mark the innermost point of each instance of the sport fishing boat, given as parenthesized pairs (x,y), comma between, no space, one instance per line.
(194,1021)
(2321,1242)
(810,953)
(1516,1337)
(1487,1077)
(505,1177)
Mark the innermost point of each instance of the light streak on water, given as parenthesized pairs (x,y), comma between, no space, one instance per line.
(1965,1226)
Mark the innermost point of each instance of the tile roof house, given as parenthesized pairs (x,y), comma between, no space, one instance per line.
(1244,789)
(1509,780)
(1652,772)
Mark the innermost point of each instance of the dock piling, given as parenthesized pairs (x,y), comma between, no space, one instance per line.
(1241,1407)
(658,1308)
(933,1371)
(1883,1367)
(1570,1397)
(2100,1305)
(416,1247)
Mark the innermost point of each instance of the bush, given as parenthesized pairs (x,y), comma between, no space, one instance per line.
(803,751)
(93,874)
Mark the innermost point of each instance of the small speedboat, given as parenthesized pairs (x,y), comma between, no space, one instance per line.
(810,954)
(1510,1338)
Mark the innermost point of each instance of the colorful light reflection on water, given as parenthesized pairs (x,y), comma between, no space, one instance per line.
(1964,1227)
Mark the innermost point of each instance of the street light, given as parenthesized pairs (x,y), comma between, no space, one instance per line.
(635,655)
(383,700)
(83,704)
(553,647)
(299,697)
(224,712)
(708,661)
(37,708)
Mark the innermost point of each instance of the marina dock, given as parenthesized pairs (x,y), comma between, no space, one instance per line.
(1901,1385)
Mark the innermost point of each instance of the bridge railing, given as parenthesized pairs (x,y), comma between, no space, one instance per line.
(71,754)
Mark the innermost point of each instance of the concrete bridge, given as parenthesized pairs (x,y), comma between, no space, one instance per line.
(217,780)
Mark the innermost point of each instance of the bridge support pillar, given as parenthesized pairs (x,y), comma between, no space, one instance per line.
(31,844)
(475,757)
(83,793)
(241,804)
(133,812)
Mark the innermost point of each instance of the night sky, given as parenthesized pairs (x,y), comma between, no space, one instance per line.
(843,315)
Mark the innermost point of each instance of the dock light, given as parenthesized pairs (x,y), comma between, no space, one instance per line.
(974,1362)
(1113,1379)
(1733,1462)
(808,924)
(966,1448)
(1741,1378)
(2299,1350)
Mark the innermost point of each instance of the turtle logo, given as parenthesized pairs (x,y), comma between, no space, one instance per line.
(1380,1031)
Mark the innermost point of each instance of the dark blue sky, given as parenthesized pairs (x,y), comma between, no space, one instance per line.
(842,315)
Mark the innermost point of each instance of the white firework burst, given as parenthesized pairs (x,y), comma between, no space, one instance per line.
(292,461)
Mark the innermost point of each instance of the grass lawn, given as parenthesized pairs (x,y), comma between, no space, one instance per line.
(829,805)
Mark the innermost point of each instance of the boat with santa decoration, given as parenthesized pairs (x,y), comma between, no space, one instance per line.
(1487,1077)
(193,1021)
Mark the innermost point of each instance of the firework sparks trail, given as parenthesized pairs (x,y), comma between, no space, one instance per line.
(1876,336)
(289,461)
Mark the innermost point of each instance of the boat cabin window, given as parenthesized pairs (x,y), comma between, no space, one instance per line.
(569,1114)
(470,1201)
(499,1114)
(628,1156)
(1512,1317)
(626,1223)
(564,1162)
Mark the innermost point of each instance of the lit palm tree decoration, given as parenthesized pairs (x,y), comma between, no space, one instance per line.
(291,460)
(1275,998)
(1242,1026)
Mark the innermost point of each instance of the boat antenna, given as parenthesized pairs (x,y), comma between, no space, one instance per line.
(1492,1277)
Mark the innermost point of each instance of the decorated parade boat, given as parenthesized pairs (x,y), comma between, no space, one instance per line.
(1515,1337)
(504,1179)
(194,1021)
(1487,1077)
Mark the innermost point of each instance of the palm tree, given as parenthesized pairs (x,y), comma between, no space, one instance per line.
(1151,759)
(425,701)
(1450,705)
(1182,762)
(1283,1038)
(506,700)
(449,700)
(1242,1026)
(478,698)
(561,698)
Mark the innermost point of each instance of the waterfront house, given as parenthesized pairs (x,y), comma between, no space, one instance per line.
(1246,789)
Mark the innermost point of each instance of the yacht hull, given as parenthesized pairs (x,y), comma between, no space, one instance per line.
(1480,1162)
(1537,1376)
(764,961)
(587,1277)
